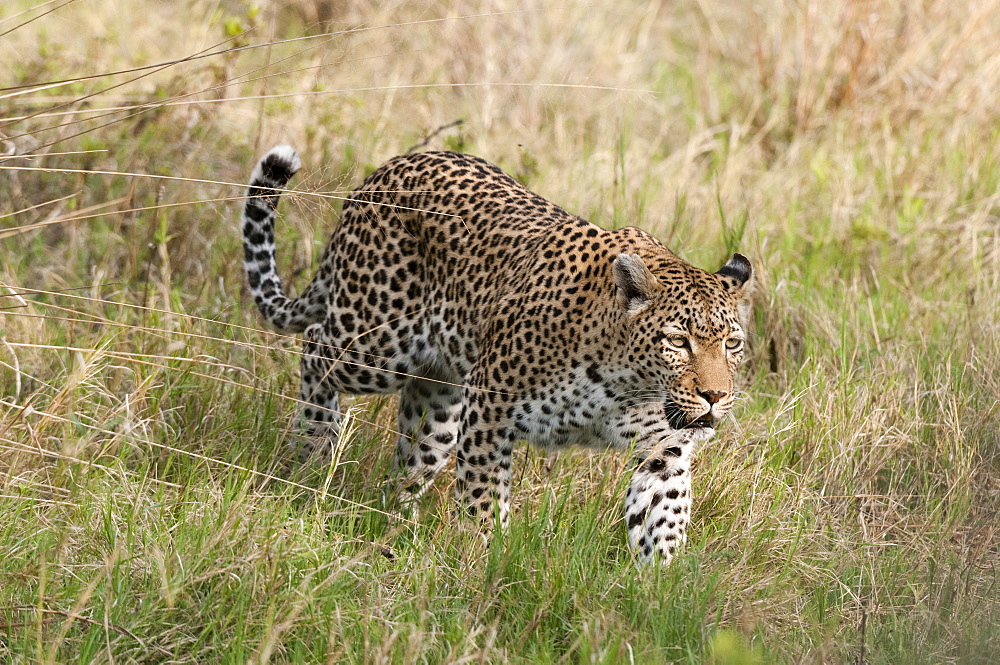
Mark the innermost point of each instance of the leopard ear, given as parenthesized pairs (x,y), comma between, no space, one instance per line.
(737,275)
(635,283)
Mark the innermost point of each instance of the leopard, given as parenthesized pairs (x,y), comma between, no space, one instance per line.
(500,318)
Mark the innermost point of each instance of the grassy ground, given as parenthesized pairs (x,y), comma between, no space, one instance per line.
(847,514)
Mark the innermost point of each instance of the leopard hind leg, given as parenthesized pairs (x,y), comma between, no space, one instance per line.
(429,417)
(320,418)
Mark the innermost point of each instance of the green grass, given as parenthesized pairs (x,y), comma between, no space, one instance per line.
(847,514)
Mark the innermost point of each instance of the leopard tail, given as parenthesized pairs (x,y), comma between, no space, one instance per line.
(290,315)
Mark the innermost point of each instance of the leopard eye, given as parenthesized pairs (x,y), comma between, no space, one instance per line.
(677,341)
(734,343)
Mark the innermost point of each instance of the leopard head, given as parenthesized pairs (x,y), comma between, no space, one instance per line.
(686,332)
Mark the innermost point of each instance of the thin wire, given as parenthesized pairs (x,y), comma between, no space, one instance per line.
(272,43)
(204,458)
(293,192)
(308,93)
(27,11)
(192,317)
(123,83)
(16,27)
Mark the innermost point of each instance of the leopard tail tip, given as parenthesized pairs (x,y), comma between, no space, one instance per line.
(279,164)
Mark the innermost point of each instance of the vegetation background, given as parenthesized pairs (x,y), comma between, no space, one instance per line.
(846,514)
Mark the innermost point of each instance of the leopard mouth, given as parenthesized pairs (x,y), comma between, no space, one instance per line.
(706,420)
(680,420)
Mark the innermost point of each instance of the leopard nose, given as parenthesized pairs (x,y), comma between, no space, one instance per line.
(712,396)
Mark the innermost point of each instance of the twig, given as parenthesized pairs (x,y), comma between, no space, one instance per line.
(427,139)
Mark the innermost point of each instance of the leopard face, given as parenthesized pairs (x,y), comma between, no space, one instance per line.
(687,335)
